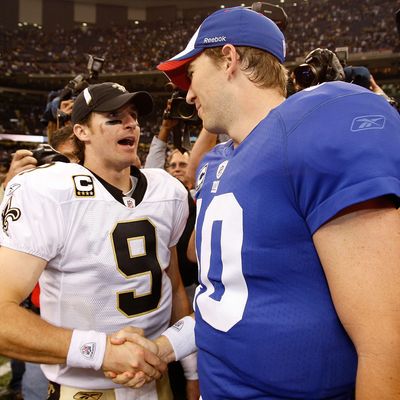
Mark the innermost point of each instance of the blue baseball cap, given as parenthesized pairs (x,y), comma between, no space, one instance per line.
(238,26)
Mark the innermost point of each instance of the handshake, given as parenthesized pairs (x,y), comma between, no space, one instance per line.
(132,360)
(129,359)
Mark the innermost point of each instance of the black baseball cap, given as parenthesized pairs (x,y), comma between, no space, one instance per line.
(109,96)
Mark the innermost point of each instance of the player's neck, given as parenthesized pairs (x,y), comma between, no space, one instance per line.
(120,178)
(261,102)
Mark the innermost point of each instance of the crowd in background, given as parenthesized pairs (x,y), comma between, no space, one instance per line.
(362,26)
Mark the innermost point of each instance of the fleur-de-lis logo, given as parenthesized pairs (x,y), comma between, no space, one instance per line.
(119,87)
(9,213)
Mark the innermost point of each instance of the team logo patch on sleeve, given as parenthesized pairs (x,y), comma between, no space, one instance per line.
(368,122)
(84,186)
(9,214)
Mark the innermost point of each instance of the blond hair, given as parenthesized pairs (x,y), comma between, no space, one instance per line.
(261,68)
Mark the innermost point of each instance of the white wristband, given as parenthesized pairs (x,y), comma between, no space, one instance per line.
(86,349)
(189,365)
(181,337)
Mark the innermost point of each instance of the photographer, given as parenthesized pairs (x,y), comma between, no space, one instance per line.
(323,65)
(158,147)
(59,105)
(63,141)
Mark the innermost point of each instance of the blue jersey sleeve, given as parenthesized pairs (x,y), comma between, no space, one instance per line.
(343,151)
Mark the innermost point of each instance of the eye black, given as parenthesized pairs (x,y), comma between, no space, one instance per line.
(114,122)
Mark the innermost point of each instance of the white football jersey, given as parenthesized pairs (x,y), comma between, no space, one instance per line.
(106,260)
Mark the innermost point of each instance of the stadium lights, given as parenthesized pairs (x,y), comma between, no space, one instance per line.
(222,6)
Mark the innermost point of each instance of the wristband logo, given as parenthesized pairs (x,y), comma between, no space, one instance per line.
(178,325)
(88,350)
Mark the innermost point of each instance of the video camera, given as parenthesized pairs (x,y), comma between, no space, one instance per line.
(71,90)
(320,65)
(179,108)
(273,12)
(323,65)
(45,154)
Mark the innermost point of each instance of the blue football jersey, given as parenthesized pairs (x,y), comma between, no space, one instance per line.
(266,326)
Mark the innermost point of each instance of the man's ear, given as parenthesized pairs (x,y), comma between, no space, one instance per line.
(231,57)
(81,131)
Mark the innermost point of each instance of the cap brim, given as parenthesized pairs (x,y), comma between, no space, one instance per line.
(176,69)
(142,101)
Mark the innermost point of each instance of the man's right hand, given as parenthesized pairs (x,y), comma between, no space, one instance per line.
(21,161)
(132,358)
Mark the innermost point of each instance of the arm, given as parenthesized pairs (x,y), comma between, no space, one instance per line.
(21,161)
(14,320)
(360,253)
(204,143)
(47,343)
(180,302)
(378,90)
(191,249)
(158,147)
(156,156)
(181,308)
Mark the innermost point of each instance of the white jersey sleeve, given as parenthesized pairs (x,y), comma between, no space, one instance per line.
(31,218)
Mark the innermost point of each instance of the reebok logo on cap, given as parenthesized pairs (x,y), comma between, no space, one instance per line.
(215,39)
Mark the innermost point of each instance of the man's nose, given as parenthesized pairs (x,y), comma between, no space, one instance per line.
(131,122)
(190,96)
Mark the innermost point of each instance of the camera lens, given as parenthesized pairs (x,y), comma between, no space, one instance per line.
(305,75)
(185,110)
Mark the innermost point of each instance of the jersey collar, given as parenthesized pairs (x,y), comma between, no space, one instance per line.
(118,195)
